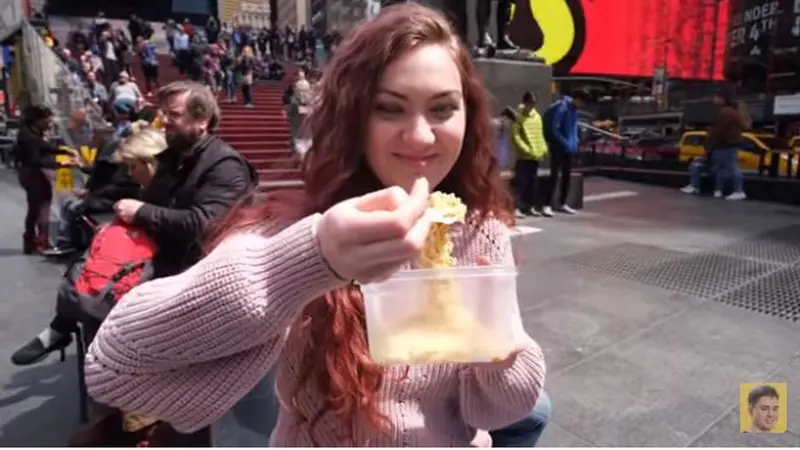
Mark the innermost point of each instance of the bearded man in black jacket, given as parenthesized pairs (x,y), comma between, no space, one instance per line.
(199,177)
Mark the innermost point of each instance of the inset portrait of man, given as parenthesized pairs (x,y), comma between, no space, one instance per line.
(765,405)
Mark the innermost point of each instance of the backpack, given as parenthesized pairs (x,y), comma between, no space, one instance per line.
(119,258)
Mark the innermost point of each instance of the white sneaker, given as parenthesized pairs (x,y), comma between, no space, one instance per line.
(690,190)
(567,210)
(737,196)
(717,194)
(519,214)
(547,211)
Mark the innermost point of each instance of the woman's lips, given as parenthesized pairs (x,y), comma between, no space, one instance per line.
(415,160)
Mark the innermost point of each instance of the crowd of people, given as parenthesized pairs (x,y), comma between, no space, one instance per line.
(226,58)
(255,305)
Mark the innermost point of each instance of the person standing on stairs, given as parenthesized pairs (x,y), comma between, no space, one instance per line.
(212,29)
(183,54)
(297,100)
(149,62)
(245,65)
(227,64)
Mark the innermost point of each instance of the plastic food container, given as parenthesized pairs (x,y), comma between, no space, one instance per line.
(458,315)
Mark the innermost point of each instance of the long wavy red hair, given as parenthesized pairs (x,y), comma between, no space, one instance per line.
(337,361)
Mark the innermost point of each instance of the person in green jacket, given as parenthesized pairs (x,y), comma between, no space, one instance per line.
(527,137)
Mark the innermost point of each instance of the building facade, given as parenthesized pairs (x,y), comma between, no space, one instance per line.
(763,43)
(255,13)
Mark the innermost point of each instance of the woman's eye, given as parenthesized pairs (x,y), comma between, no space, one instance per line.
(386,108)
(445,108)
(444,111)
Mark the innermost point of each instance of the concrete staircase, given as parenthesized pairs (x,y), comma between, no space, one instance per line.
(260,133)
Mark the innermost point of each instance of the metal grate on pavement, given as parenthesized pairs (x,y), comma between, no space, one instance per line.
(781,245)
(747,282)
(704,275)
(621,260)
(777,294)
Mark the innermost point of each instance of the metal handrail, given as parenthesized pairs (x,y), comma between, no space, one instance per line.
(603,132)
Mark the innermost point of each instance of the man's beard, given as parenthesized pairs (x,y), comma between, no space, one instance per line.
(182,141)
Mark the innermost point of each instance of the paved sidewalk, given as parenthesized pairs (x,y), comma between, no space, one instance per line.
(38,404)
(625,298)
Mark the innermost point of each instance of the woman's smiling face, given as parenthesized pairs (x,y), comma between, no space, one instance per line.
(418,118)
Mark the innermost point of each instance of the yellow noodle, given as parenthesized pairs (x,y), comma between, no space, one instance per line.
(442,329)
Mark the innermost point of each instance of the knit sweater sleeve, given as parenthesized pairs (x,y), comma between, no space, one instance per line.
(186,348)
(493,397)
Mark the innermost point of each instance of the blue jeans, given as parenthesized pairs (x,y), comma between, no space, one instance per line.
(250,422)
(726,166)
(696,169)
(526,432)
(230,84)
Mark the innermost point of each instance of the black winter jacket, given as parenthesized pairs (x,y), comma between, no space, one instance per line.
(187,193)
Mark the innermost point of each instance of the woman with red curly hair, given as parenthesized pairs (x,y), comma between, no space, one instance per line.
(400,110)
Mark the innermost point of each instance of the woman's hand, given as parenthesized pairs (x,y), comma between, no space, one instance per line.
(73,161)
(508,360)
(482,439)
(368,238)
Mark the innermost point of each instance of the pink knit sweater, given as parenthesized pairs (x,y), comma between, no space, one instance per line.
(188,347)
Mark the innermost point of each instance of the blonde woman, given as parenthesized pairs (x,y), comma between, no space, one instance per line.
(138,152)
(298,98)
(244,72)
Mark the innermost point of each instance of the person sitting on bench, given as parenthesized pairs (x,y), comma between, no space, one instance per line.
(135,156)
(108,182)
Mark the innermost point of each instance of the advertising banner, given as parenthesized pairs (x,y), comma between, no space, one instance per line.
(627,37)
(617,38)
(759,27)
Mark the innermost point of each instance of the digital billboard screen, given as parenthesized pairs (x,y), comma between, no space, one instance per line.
(627,37)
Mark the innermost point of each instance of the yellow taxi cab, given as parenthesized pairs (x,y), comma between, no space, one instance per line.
(693,143)
(794,144)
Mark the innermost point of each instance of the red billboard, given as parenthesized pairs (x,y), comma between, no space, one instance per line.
(626,37)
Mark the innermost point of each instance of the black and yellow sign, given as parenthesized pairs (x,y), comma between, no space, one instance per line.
(554,30)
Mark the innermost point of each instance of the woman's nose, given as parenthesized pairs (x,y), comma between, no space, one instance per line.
(420,132)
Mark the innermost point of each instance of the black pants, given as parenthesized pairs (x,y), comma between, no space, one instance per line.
(111,70)
(63,325)
(526,175)
(38,194)
(247,93)
(184,58)
(560,167)
(150,72)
